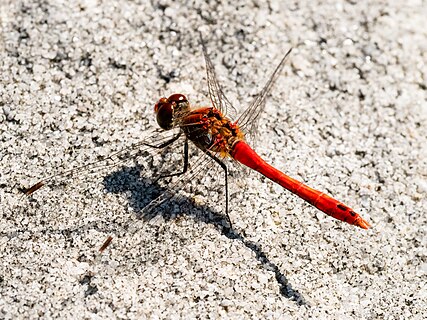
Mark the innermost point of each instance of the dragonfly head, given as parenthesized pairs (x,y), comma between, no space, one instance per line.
(168,108)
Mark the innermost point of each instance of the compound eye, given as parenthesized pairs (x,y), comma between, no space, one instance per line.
(165,115)
(161,102)
(177,98)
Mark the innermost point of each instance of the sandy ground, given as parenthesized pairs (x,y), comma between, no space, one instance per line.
(348,116)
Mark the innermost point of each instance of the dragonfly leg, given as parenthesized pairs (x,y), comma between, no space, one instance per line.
(164,144)
(224,167)
(184,170)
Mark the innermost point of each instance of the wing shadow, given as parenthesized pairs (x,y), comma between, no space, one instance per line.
(141,191)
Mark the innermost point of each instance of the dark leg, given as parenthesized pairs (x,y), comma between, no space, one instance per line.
(184,170)
(224,167)
(164,144)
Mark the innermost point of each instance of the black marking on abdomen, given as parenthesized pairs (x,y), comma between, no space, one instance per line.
(342,207)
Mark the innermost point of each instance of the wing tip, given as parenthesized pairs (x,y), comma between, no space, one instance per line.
(33,188)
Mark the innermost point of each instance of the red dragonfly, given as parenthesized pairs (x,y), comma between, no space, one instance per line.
(212,131)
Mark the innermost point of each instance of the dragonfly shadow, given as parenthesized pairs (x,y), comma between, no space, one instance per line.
(141,191)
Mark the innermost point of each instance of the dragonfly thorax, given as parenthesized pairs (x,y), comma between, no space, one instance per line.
(167,109)
(210,130)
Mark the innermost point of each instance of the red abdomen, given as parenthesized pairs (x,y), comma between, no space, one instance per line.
(245,155)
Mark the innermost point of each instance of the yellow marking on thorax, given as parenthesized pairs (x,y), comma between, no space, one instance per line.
(225,137)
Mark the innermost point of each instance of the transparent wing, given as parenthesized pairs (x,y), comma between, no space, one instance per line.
(158,139)
(249,118)
(202,164)
(173,194)
(218,99)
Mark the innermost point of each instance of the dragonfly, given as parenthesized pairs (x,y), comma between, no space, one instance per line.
(212,130)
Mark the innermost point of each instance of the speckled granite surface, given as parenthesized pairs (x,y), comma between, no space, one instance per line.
(79,80)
